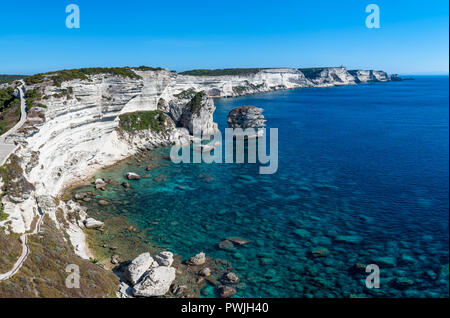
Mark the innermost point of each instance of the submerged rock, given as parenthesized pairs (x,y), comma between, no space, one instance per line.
(320,252)
(126,185)
(358,268)
(239,241)
(349,239)
(230,278)
(301,233)
(138,267)
(402,283)
(226,291)
(226,245)
(385,261)
(155,283)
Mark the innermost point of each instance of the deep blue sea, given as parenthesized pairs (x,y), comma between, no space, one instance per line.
(363,176)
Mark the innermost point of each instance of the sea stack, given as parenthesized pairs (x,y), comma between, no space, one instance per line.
(246,117)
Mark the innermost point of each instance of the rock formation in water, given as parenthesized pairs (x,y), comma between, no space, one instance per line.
(246,117)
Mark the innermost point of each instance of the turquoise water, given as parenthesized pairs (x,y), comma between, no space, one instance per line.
(363,175)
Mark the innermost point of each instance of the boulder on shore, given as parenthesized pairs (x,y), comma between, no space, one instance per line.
(155,283)
(138,267)
(91,223)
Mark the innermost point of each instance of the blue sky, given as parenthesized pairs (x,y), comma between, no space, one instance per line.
(181,35)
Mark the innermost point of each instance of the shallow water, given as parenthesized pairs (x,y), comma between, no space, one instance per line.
(363,174)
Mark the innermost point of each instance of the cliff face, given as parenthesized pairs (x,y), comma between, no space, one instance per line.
(77,130)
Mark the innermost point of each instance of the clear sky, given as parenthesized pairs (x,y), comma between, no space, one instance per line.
(181,35)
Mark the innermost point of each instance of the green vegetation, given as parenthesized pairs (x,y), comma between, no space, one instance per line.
(187,94)
(196,103)
(147,68)
(59,77)
(240,89)
(10,78)
(3,215)
(66,92)
(9,109)
(93,260)
(14,183)
(222,72)
(143,120)
(32,97)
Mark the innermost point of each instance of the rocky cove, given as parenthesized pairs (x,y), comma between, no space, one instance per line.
(78,124)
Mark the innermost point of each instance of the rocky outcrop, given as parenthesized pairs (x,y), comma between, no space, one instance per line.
(155,283)
(146,277)
(138,267)
(198,115)
(197,260)
(246,117)
(366,76)
(329,76)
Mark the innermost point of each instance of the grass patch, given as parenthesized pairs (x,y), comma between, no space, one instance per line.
(3,215)
(143,120)
(186,94)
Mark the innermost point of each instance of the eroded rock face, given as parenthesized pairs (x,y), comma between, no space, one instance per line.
(246,117)
(138,267)
(155,283)
(198,115)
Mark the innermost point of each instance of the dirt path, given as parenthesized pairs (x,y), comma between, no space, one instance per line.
(25,251)
(6,148)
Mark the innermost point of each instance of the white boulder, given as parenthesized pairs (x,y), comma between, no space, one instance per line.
(164,258)
(155,283)
(91,223)
(132,176)
(138,267)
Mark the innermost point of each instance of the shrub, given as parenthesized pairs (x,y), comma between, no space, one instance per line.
(195,104)
(143,120)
